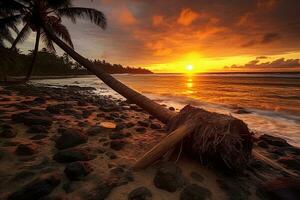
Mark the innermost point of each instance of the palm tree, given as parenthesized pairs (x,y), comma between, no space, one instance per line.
(44,18)
(33,13)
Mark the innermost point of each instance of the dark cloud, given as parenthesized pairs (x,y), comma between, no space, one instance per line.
(270,37)
(278,63)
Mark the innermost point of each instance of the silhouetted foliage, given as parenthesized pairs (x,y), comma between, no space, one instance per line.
(50,64)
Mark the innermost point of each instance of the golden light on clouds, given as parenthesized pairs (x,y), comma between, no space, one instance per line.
(187,16)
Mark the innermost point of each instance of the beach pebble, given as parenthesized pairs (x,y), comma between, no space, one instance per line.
(6,131)
(168,177)
(108,125)
(276,141)
(144,123)
(155,126)
(72,155)
(140,129)
(242,111)
(172,108)
(195,192)
(38,129)
(141,193)
(117,144)
(95,130)
(111,155)
(38,188)
(57,108)
(129,125)
(100,192)
(77,170)
(70,138)
(30,119)
(26,149)
(38,137)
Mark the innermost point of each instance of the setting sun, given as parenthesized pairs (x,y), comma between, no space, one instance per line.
(189,67)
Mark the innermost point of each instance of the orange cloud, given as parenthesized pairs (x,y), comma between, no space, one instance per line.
(159,48)
(187,16)
(157,20)
(127,18)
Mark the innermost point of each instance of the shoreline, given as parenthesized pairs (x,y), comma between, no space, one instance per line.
(41,127)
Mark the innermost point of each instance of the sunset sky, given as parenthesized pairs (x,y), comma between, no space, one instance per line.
(214,35)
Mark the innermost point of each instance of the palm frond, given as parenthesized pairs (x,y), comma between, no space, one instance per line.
(60,30)
(11,6)
(22,36)
(11,22)
(48,42)
(59,3)
(93,15)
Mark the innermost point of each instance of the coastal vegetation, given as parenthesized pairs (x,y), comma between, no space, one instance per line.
(51,64)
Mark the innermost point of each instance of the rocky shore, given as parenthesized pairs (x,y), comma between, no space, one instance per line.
(68,143)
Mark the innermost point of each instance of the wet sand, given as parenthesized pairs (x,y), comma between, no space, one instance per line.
(68,143)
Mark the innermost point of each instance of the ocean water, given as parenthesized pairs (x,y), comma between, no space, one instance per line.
(272,99)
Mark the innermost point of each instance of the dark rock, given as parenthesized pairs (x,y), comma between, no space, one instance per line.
(141,193)
(140,129)
(100,193)
(38,137)
(57,108)
(111,155)
(196,176)
(168,177)
(39,100)
(262,144)
(70,138)
(95,130)
(38,188)
(77,170)
(290,162)
(293,150)
(72,155)
(117,144)
(30,119)
(144,123)
(117,135)
(195,192)
(120,175)
(172,108)
(280,188)
(129,125)
(23,175)
(155,126)
(38,129)
(276,141)
(26,149)
(120,126)
(6,131)
(278,151)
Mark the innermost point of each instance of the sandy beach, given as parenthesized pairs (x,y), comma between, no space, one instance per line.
(68,143)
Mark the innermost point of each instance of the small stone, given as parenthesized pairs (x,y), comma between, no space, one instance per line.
(38,188)
(144,123)
(117,144)
(242,111)
(140,129)
(72,155)
(141,193)
(94,130)
(38,129)
(6,131)
(108,125)
(117,135)
(57,108)
(168,177)
(38,137)
(172,108)
(77,170)
(111,155)
(70,138)
(26,149)
(129,125)
(195,192)
(155,126)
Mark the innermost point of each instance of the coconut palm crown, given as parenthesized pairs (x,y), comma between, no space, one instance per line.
(32,14)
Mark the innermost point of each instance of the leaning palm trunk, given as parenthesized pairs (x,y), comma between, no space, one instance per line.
(152,107)
(218,137)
